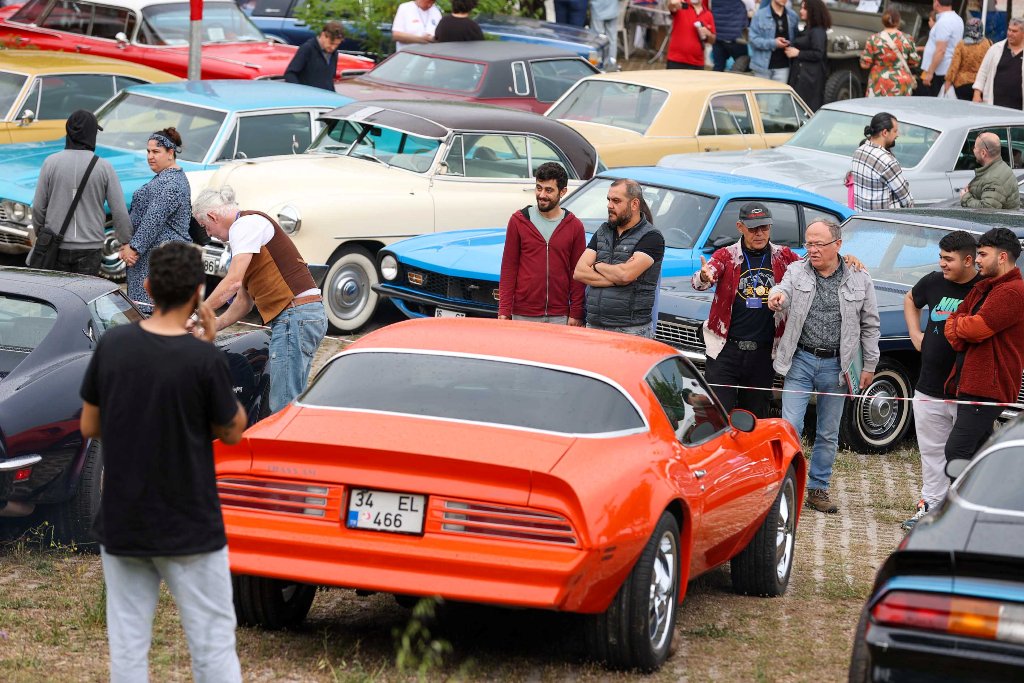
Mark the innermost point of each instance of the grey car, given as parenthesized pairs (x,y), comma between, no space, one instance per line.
(934,147)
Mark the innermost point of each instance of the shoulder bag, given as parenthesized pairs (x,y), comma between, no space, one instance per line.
(887,37)
(44,251)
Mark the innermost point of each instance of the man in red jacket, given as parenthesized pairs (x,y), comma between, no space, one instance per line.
(542,245)
(987,333)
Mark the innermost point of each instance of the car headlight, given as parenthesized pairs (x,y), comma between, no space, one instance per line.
(289,220)
(16,211)
(389,267)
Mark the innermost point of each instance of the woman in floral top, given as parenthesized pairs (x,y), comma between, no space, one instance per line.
(890,54)
(160,212)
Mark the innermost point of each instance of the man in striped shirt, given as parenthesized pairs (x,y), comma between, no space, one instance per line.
(878,180)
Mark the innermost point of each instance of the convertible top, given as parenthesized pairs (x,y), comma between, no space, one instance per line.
(58,288)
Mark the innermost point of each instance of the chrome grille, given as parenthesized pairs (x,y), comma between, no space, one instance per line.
(4,216)
(679,334)
(7,238)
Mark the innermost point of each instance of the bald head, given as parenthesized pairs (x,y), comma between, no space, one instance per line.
(987,148)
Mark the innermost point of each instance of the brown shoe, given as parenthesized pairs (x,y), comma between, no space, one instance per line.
(817,499)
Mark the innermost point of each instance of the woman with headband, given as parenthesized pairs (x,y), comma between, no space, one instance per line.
(160,211)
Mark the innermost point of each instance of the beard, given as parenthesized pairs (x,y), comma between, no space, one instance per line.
(889,145)
(546,205)
(618,221)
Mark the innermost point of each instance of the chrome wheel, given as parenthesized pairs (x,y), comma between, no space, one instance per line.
(785,532)
(348,290)
(878,421)
(111,265)
(663,592)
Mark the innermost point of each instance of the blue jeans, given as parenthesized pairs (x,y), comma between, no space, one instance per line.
(295,335)
(646,330)
(572,13)
(810,373)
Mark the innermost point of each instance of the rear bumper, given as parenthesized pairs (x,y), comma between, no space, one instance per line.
(906,655)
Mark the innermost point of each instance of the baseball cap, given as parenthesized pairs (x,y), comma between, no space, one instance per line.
(755,214)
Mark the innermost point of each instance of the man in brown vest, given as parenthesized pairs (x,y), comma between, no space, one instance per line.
(266,270)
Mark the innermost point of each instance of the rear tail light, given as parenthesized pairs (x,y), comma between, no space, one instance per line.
(974,617)
(499,521)
(274,496)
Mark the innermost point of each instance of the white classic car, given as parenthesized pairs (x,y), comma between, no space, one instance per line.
(386,170)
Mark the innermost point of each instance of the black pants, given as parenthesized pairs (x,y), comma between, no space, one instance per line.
(972,427)
(722,50)
(680,65)
(932,90)
(747,368)
(965,92)
(83,261)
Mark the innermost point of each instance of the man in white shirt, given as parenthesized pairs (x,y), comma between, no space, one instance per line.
(415,22)
(938,52)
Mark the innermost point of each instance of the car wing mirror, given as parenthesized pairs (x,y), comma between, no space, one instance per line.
(742,420)
(27,117)
(954,468)
(295,145)
(122,39)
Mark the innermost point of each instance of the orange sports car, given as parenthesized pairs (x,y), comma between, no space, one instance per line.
(511,463)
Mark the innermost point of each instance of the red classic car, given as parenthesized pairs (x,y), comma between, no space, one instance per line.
(156,34)
(516,464)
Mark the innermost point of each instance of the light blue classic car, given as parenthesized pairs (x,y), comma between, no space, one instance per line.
(218,120)
(456,273)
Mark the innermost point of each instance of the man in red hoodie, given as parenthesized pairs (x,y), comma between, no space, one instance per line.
(987,333)
(542,245)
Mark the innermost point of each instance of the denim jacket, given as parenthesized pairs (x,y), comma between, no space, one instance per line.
(761,36)
(857,308)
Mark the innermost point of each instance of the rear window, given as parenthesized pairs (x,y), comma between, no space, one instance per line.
(622,105)
(432,73)
(24,323)
(994,481)
(473,389)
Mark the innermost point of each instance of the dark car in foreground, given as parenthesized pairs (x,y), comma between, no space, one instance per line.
(948,604)
(899,248)
(49,325)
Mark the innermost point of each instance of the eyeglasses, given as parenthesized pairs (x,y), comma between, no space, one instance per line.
(759,228)
(818,245)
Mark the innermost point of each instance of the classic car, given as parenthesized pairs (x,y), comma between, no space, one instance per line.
(382,171)
(935,146)
(49,326)
(899,248)
(635,118)
(528,77)
(456,273)
(277,18)
(514,464)
(39,90)
(219,121)
(948,604)
(156,34)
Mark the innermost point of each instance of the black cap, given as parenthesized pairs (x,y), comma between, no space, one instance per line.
(755,214)
(81,128)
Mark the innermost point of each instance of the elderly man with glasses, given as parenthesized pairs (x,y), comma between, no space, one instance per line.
(832,330)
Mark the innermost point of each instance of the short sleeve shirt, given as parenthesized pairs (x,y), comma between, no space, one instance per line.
(941,297)
(411,19)
(949,27)
(249,234)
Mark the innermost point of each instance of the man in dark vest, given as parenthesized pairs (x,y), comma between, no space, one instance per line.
(266,270)
(622,263)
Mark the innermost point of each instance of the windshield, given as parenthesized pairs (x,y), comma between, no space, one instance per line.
(112,310)
(10,86)
(129,119)
(24,323)
(433,73)
(622,105)
(474,389)
(222,22)
(376,143)
(841,132)
(679,215)
(994,481)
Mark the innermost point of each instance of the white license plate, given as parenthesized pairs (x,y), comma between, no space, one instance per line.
(210,264)
(444,313)
(400,513)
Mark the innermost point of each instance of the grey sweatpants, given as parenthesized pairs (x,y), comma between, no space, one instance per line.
(933,422)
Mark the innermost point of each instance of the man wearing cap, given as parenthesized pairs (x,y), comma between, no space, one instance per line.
(59,180)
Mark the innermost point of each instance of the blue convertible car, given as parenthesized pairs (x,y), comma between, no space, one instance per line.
(218,120)
(456,273)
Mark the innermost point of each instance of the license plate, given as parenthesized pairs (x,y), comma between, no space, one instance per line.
(444,313)
(210,263)
(400,513)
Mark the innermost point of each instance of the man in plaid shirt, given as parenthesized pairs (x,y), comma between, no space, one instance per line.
(878,181)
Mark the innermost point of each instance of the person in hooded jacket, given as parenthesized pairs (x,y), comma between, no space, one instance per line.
(59,179)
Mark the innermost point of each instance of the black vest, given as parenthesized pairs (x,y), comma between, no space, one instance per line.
(622,305)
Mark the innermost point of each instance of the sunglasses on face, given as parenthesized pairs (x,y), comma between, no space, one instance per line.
(759,228)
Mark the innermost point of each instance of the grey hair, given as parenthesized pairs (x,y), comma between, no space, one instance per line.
(1016,21)
(833,228)
(218,201)
(990,143)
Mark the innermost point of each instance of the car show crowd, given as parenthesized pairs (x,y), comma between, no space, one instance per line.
(793,322)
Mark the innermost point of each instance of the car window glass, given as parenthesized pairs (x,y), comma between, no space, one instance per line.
(496,156)
(122,82)
(107,22)
(70,16)
(266,8)
(267,135)
(476,390)
(622,105)
(688,404)
(785,224)
(840,132)
(966,161)
(455,163)
(130,118)
(223,22)
(552,77)
(112,310)
(24,323)
(1017,146)
(30,12)
(63,94)
(542,152)
(10,88)
(429,72)
(378,143)
(730,115)
(780,112)
(994,481)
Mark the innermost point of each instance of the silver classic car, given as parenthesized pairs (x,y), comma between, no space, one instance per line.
(934,146)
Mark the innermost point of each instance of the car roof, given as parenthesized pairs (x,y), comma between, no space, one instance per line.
(46,61)
(489,50)
(53,286)
(974,221)
(932,112)
(624,359)
(139,5)
(241,95)
(693,82)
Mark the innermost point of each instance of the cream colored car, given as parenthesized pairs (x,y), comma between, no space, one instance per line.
(386,170)
(635,118)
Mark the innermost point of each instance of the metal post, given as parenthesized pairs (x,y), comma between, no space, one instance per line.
(195,40)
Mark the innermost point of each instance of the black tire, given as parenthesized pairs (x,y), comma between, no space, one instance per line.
(622,636)
(271,603)
(765,565)
(874,424)
(860,660)
(844,84)
(348,290)
(72,519)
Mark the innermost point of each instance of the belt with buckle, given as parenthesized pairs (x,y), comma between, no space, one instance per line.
(743,345)
(302,300)
(819,352)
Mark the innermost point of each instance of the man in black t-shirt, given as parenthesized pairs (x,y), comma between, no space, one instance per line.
(457,26)
(941,292)
(159,396)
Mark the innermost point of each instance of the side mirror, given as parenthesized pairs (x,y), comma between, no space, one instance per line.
(122,39)
(27,117)
(742,420)
(954,468)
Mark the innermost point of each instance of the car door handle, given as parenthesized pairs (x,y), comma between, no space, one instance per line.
(711,149)
(82,48)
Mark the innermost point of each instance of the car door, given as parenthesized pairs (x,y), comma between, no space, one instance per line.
(780,115)
(727,125)
(965,163)
(732,467)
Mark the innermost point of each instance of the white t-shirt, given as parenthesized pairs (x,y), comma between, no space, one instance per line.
(411,19)
(249,234)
